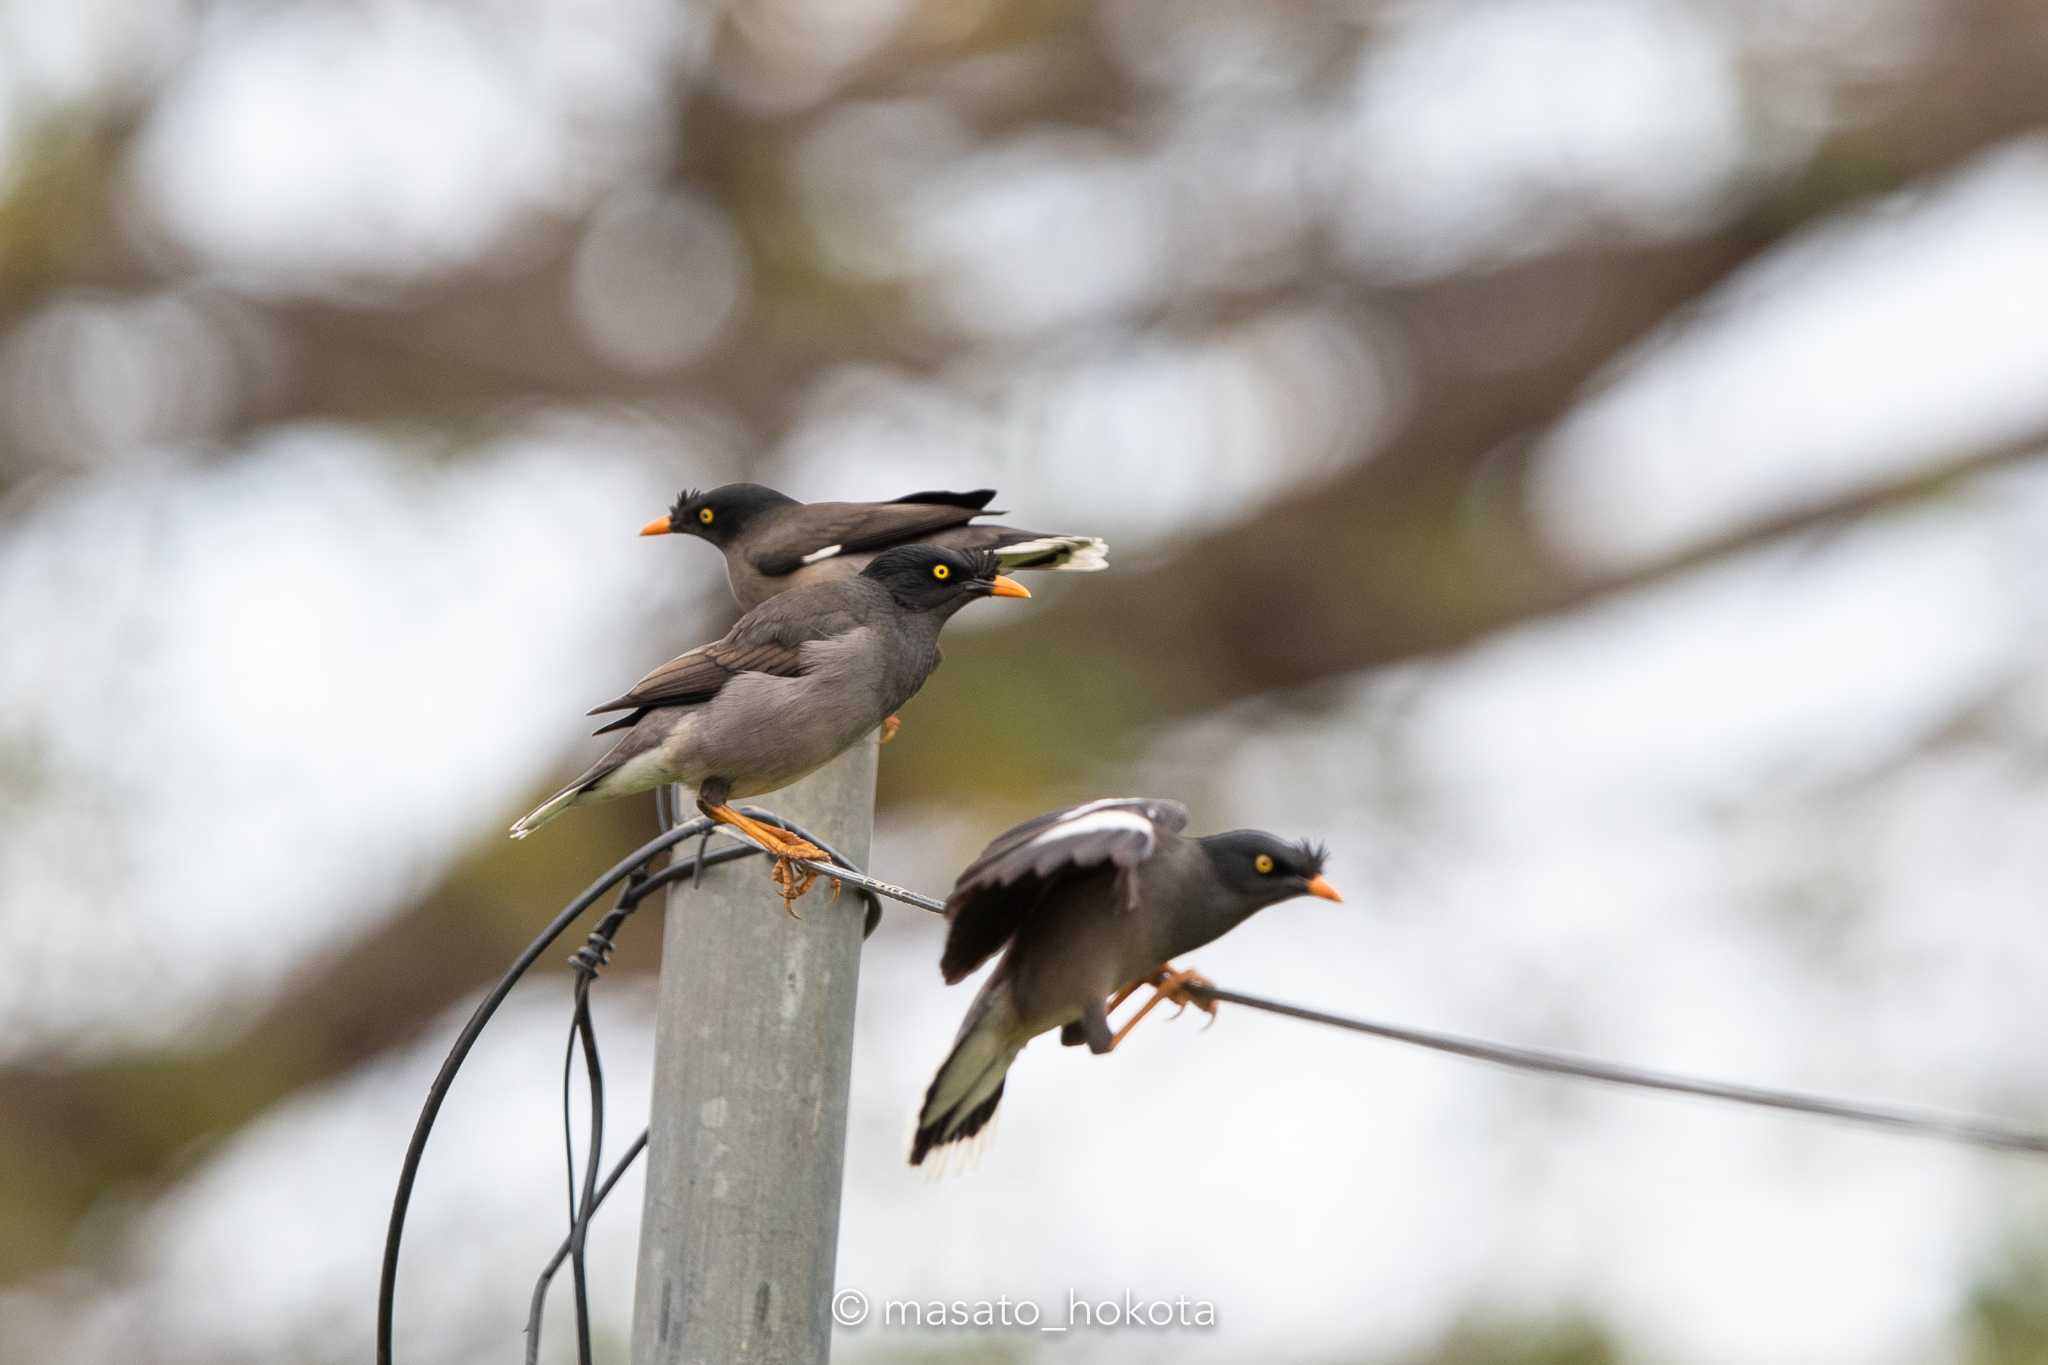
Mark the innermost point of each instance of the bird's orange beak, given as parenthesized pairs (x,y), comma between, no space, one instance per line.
(1006,586)
(1318,887)
(658,527)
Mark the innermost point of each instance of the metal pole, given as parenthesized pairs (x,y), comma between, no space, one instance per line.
(753,1052)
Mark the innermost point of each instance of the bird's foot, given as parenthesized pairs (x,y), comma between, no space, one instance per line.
(1174,988)
(1168,983)
(785,848)
(890,725)
(795,880)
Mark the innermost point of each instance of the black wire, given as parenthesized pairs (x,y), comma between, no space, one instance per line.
(458,1053)
(1920,1123)
(437,1092)
(587,961)
(595,952)
(538,1304)
(579,1222)
(568,1130)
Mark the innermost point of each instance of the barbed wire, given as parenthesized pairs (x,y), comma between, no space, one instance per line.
(635,869)
(641,881)
(465,1040)
(588,961)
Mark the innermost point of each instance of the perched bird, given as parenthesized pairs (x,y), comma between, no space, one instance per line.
(773,543)
(793,684)
(1086,902)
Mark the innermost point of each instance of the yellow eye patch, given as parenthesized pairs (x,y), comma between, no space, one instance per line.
(942,571)
(1264,863)
(704,514)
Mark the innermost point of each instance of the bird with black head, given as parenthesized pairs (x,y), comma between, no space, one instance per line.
(772,542)
(1087,905)
(795,683)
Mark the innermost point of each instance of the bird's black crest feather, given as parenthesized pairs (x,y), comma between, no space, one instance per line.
(1315,854)
(683,501)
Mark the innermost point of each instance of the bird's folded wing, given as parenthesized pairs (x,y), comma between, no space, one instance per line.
(1001,888)
(766,640)
(978,499)
(824,529)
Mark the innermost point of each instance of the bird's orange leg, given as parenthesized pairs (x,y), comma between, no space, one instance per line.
(1115,1000)
(890,725)
(783,847)
(1168,983)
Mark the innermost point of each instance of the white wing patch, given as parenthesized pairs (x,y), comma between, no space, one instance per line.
(816,555)
(1092,821)
(1131,803)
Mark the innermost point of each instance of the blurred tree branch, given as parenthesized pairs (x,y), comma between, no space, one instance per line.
(504,332)
(1195,632)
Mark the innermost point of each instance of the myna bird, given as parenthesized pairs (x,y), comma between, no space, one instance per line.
(773,543)
(793,684)
(1085,904)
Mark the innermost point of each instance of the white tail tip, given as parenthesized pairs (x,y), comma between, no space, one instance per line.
(1076,554)
(545,811)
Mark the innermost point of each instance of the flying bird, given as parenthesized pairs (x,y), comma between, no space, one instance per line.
(772,542)
(795,683)
(1087,904)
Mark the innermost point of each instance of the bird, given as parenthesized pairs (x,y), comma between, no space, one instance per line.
(1087,904)
(791,686)
(772,542)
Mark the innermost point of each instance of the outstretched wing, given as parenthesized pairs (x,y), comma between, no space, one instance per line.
(821,530)
(768,639)
(1001,888)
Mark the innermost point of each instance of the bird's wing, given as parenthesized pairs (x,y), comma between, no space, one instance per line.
(1001,888)
(978,499)
(821,530)
(768,639)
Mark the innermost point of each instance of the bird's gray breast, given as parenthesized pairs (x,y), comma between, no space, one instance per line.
(763,731)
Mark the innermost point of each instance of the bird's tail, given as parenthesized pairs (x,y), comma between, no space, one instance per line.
(548,809)
(632,765)
(1068,554)
(963,1096)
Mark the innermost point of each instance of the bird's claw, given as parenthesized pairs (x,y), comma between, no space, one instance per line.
(1170,984)
(784,849)
(1174,987)
(795,880)
(890,726)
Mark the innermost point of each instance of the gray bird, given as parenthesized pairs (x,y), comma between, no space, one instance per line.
(1087,904)
(790,687)
(773,543)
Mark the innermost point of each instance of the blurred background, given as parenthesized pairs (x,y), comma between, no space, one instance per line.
(1578,457)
